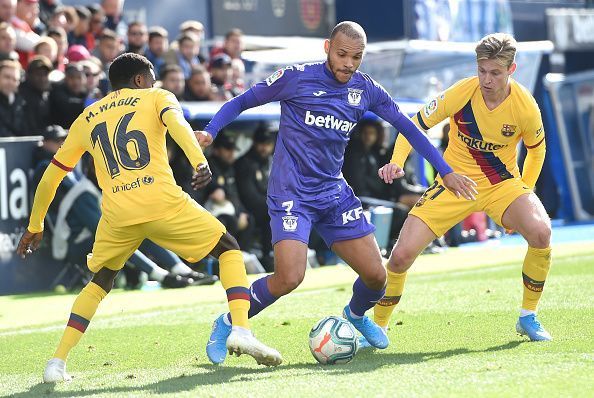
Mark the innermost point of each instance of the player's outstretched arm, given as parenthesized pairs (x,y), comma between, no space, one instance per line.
(281,85)
(228,113)
(384,106)
(46,190)
(456,183)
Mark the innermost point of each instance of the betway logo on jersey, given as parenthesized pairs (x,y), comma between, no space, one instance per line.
(329,122)
(480,145)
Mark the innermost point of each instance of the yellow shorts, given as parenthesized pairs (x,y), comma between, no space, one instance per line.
(191,233)
(441,210)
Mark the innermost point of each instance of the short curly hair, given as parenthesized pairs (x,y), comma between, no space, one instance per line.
(125,67)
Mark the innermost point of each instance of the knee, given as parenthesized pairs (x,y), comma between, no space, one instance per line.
(226,243)
(108,287)
(286,284)
(540,236)
(376,278)
(401,259)
(104,279)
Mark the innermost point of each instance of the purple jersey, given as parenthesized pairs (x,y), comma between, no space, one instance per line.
(318,114)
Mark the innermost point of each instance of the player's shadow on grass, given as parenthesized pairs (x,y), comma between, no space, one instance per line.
(209,375)
(381,359)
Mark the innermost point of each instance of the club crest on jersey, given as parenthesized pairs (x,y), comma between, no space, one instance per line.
(508,130)
(354,96)
(290,223)
(274,77)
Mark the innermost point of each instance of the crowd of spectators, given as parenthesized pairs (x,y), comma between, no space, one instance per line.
(54,60)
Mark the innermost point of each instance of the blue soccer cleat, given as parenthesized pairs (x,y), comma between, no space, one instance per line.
(363,343)
(375,335)
(216,348)
(529,326)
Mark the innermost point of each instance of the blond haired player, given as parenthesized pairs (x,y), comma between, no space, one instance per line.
(489,114)
(125,133)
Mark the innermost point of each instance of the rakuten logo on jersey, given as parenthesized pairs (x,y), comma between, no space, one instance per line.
(329,122)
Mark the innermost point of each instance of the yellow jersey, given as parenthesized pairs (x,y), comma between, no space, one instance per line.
(482,142)
(125,133)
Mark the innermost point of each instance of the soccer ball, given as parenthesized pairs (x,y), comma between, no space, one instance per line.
(333,340)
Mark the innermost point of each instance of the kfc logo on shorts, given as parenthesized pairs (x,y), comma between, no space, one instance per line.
(354,96)
(290,223)
(351,215)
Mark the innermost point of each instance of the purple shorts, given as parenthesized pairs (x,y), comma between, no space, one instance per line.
(335,218)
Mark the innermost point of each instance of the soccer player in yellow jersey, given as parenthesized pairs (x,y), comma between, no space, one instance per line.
(488,115)
(125,133)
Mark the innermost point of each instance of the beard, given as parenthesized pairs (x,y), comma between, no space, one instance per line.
(335,71)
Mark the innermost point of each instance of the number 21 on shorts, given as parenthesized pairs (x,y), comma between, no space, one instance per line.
(438,188)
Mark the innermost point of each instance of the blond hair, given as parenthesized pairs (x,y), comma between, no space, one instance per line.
(9,63)
(498,46)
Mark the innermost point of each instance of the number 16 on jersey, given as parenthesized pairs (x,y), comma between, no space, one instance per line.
(123,142)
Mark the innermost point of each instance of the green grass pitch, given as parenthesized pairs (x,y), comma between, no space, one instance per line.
(453,335)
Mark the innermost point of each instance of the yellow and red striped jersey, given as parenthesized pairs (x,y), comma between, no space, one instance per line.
(482,142)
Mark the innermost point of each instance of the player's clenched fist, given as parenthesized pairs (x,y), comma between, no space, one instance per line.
(202,177)
(204,138)
(390,172)
(460,185)
(29,242)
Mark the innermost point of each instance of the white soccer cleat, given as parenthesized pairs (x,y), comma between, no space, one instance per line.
(55,371)
(242,341)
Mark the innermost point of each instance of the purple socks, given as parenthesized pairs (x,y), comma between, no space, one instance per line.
(363,297)
(260,297)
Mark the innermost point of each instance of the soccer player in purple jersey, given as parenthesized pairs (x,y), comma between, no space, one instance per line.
(320,105)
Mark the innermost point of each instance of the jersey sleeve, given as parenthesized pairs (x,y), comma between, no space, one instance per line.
(281,85)
(62,163)
(432,113)
(534,140)
(44,194)
(73,147)
(384,106)
(172,117)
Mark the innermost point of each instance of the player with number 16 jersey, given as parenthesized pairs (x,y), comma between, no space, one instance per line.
(125,133)
(134,172)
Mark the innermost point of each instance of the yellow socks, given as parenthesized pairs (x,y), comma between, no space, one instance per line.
(235,283)
(384,308)
(534,273)
(83,309)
